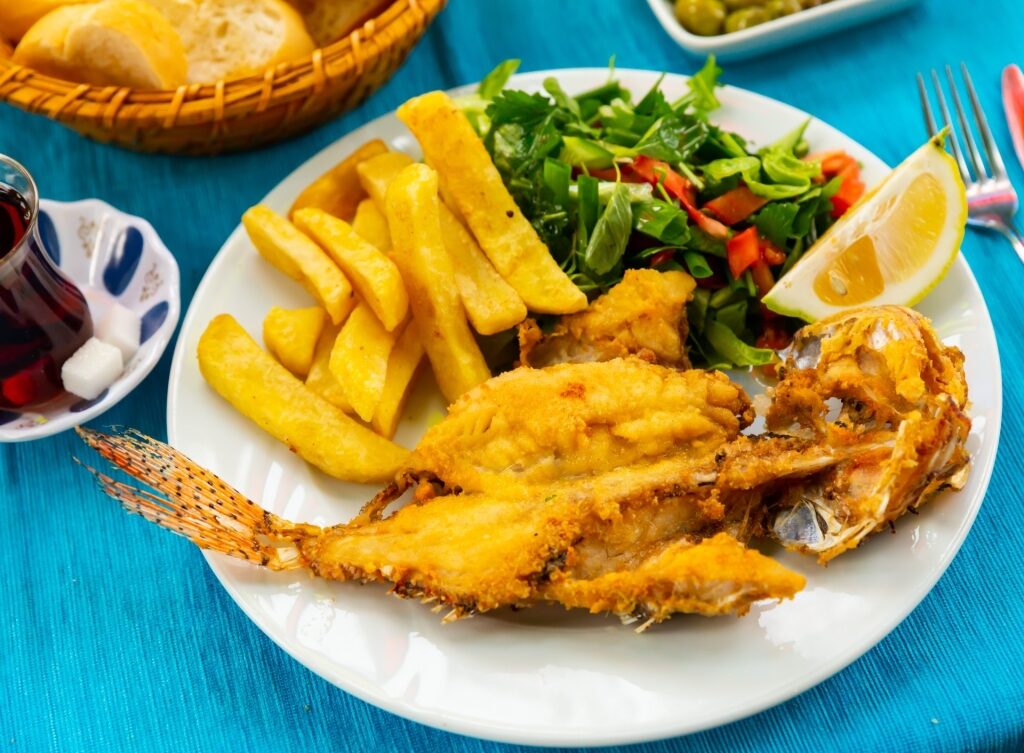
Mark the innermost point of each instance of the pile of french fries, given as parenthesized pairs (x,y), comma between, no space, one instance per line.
(405,261)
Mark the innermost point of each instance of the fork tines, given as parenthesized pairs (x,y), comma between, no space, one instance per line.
(995,168)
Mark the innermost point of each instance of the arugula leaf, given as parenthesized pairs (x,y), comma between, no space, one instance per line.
(814,203)
(705,244)
(721,169)
(603,95)
(775,222)
(702,89)
(619,118)
(697,309)
(664,221)
(495,81)
(788,144)
(669,139)
(732,349)
(607,244)
(654,102)
(733,316)
(563,100)
(723,144)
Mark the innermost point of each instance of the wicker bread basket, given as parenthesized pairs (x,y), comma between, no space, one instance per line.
(236,114)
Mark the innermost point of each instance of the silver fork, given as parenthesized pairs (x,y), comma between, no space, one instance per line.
(991,200)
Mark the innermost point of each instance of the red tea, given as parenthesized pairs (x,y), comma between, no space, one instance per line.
(43,317)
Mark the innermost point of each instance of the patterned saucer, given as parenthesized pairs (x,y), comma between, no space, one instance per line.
(111,256)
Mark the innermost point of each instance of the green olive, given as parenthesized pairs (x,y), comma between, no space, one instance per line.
(737,4)
(739,20)
(779,8)
(703,17)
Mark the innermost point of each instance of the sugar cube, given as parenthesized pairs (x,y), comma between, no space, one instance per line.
(121,328)
(93,367)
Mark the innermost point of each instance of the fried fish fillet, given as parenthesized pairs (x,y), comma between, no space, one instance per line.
(529,427)
(718,575)
(643,316)
(469,552)
(621,485)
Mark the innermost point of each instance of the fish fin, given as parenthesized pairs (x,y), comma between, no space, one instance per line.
(193,502)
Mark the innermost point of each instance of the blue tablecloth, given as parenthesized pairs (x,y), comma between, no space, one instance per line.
(117,636)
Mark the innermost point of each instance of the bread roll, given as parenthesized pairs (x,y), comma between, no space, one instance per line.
(330,20)
(110,43)
(232,38)
(17,16)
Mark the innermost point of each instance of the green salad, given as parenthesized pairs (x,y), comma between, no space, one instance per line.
(612,182)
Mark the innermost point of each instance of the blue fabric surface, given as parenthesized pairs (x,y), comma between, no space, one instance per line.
(117,635)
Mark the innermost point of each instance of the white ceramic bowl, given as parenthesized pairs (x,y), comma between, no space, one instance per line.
(813,22)
(111,256)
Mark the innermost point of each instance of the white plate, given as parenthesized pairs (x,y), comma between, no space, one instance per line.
(788,30)
(111,256)
(544,676)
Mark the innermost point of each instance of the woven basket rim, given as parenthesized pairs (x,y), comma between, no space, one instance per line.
(336,59)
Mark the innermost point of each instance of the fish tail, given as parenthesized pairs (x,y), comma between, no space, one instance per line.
(192,502)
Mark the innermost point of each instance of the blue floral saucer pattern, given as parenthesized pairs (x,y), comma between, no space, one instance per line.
(112,257)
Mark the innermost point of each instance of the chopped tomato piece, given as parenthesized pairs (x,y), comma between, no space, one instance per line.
(626,174)
(711,226)
(771,254)
(606,174)
(743,250)
(773,336)
(763,278)
(655,171)
(735,205)
(661,257)
(832,163)
(849,192)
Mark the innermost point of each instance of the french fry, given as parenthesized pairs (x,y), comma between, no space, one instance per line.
(373,274)
(372,225)
(472,181)
(414,217)
(320,379)
(338,191)
(359,360)
(491,303)
(291,336)
(264,391)
(284,246)
(405,359)
(376,174)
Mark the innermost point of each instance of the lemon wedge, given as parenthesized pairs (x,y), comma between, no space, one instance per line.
(892,247)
